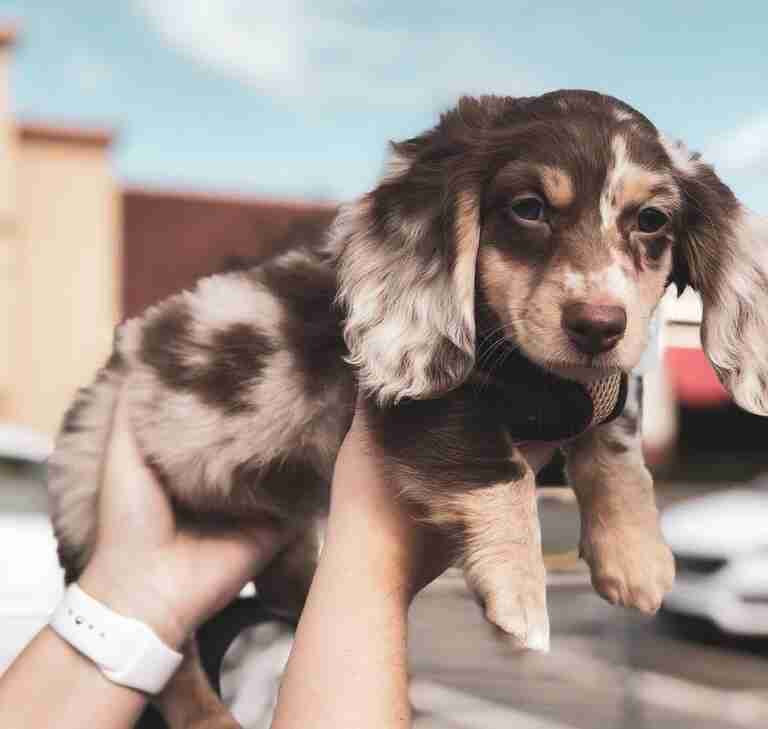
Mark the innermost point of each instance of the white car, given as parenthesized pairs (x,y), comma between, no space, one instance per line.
(31,581)
(720,543)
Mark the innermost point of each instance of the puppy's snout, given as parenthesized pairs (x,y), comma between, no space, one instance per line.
(592,328)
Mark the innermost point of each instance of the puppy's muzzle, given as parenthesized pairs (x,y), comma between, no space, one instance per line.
(594,329)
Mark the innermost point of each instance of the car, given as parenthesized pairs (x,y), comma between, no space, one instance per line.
(31,581)
(720,543)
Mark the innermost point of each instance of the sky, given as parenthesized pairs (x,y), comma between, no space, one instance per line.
(298,98)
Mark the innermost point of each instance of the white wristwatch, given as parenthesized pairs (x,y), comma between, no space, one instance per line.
(126,651)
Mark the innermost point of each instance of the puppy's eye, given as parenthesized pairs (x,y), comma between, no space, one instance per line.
(651,220)
(528,208)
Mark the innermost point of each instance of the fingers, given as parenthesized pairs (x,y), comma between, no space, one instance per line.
(223,564)
(245,550)
(130,492)
(123,455)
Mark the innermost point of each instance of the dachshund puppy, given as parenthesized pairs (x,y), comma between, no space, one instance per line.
(509,261)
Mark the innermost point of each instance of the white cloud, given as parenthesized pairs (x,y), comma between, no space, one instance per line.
(743,149)
(330,52)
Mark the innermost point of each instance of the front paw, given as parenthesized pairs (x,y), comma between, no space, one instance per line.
(630,565)
(515,601)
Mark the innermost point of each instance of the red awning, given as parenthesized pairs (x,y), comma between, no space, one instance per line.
(693,380)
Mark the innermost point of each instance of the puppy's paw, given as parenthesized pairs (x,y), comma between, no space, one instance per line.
(630,565)
(516,603)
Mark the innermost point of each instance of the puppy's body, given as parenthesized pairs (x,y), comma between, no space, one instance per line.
(249,370)
(550,226)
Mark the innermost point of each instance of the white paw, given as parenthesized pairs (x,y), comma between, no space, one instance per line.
(516,603)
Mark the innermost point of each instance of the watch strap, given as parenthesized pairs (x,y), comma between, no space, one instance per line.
(127,651)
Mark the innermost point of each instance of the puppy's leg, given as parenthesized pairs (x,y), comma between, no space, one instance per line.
(189,702)
(453,459)
(503,562)
(284,584)
(621,540)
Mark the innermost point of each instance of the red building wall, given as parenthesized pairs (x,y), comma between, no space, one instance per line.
(171,239)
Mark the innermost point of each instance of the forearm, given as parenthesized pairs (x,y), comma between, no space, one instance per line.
(52,685)
(348,667)
(76,693)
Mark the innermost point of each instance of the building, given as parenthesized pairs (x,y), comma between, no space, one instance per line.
(60,231)
(78,253)
(172,238)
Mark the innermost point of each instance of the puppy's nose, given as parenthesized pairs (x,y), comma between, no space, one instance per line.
(593,328)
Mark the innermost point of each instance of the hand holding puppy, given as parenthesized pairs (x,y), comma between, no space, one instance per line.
(146,565)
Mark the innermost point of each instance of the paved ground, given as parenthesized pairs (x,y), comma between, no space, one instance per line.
(607,667)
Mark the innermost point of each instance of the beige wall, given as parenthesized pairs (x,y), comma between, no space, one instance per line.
(8,251)
(66,275)
(7,138)
(8,220)
(60,230)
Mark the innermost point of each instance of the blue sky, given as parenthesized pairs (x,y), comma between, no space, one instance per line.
(297,98)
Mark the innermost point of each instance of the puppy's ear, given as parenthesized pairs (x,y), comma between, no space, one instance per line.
(406,257)
(723,254)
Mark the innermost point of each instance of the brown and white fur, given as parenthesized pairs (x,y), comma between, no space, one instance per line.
(486,233)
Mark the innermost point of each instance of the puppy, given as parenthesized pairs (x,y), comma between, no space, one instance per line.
(520,246)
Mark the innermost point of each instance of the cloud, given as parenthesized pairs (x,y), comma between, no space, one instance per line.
(324,52)
(743,149)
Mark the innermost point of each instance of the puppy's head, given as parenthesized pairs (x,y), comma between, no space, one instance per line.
(553,224)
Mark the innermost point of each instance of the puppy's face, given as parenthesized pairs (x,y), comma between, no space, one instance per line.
(552,224)
(577,240)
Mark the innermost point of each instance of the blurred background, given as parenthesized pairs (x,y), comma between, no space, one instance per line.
(146,143)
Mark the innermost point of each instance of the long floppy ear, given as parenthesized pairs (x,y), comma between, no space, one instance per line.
(406,257)
(724,256)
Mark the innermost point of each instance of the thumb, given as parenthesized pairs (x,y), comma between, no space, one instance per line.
(130,491)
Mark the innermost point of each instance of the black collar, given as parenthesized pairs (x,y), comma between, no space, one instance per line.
(536,404)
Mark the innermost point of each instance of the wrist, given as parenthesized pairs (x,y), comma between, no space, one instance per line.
(371,562)
(137,599)
(126,651)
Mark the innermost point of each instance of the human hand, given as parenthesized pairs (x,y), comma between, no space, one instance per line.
(369,514)
(146,565)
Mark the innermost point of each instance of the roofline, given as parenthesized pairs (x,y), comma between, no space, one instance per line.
(226,196)
(91,136)
(9,34)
